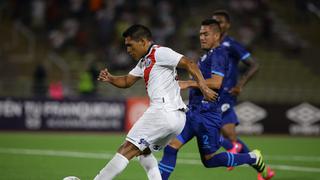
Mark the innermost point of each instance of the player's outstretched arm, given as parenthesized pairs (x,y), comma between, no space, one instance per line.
(253,67)
(214,82)
(118,81)
(193,69)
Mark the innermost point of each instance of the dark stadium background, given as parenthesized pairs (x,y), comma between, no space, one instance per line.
(51,52)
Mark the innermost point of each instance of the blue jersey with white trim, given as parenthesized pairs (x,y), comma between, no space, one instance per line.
(216,62)
(236,53)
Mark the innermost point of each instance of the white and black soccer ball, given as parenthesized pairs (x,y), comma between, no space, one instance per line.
(71,178)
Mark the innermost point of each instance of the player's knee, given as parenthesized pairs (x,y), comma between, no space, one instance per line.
(207,163)
(129,150)
(176,144)
(210,161)
(229,133)
(231,136)
(147,151)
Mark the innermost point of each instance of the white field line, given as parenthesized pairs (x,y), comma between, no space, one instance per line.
(73,154)
(268,157)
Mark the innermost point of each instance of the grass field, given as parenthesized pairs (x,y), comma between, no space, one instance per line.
(46,156)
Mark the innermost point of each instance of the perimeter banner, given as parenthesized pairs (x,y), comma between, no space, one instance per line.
(120,115)
(295,119)
(31,114)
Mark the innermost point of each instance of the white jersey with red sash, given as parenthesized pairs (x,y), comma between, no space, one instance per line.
(163,120)
(158,68)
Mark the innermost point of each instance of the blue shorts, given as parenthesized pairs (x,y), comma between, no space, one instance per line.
(229,116)
(206,128)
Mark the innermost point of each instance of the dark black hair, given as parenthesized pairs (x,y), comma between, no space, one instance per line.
(212,22)
(137,32)
(223,13)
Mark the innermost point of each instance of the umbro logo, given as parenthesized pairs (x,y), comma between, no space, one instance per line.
(249,114)
(305,115)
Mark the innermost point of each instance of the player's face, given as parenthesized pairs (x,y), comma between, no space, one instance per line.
(208,37)
(135,48)
(224,24)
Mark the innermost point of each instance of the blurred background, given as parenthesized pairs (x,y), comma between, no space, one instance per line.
(51,52)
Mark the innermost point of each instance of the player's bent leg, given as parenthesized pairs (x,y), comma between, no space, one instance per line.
(169,158)
(245,148)
(228,159)
(129,150)
(119,162)
(230,138)
(150,165)
(229,132)
(168,161)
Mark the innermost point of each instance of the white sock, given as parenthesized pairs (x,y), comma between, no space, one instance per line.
(150,165)
(117,164)
(253,156)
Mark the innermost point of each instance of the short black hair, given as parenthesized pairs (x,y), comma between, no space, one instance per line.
(137,32)
(223,13)
(212,22)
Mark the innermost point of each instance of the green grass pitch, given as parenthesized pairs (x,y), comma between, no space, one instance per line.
(46,156)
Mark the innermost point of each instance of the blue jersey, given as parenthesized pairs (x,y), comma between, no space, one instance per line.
(204,119)
(214,61)
(236,53)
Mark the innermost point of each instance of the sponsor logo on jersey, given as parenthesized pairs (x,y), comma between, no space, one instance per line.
(144,142)
(156,147)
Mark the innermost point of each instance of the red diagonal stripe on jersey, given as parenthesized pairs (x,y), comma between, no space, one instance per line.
(148,69)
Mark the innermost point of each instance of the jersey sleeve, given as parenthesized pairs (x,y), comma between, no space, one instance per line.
(137,71)
(219,64)
(239,51)
(167,57)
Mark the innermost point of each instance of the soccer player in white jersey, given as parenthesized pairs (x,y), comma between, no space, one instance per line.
(165,118)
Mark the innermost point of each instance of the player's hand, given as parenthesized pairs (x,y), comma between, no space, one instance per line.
(235,91)
(105,76)
(208,93)
(183,85)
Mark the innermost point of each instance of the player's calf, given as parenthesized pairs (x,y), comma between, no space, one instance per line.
(168,162)
(228,159)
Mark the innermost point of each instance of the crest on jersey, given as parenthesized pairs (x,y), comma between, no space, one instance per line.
(147,62)
(226,43)
(225,107)
(203,57)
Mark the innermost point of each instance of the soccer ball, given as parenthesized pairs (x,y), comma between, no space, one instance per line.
(71,178)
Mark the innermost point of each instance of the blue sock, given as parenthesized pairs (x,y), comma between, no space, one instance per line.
(227,159)
(245,148)
(168,162)
(226,144)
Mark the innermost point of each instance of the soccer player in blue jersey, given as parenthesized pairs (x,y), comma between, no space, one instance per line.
(204,118)
(233,87)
